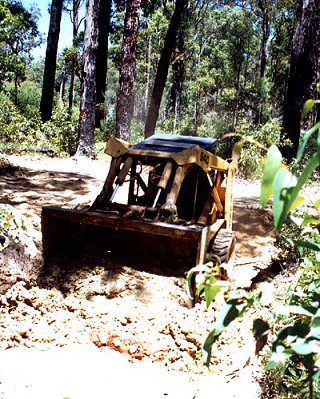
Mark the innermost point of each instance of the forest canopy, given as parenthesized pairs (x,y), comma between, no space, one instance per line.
(211,68)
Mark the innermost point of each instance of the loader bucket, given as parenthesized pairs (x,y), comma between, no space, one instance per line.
(74,237)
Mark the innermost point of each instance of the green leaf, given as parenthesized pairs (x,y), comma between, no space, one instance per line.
(293,309)
(311,219)
(317,203)
(306,347)
(296,202)
(307,244)
(212,290)
(315,328)
(307,107)
(297,220)
(278,358)
(282,195)
(273,163)
(303,142)
(312,164)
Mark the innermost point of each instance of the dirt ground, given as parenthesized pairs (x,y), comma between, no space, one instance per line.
(111,330)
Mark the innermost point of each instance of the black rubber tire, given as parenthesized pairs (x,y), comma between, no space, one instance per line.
(222,247)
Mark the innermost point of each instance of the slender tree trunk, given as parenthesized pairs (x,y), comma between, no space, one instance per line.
(88,90)
(177,80)
(74,64)
(125,97)
(102,59)
(163,67)
(304,66)
(46,103)
(147,87)
(63,86)
(265,10)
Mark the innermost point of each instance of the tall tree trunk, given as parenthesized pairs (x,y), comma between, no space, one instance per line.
(74,62)
(265,9)
(125,97)
(46,103)
(177,80)
(147,87)
(63,85)
(88,90)
(163,67)
(304,66)
(102,58)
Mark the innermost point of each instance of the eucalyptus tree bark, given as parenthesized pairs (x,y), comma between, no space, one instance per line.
(125,97)
(102,58)
(163,67)
(304,66)
(88,89)
(46,103)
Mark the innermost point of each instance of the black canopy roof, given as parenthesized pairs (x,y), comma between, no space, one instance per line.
(175,143)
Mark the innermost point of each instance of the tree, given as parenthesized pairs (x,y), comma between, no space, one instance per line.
(163,67)
(125,97)
(18,36)
(178,71)
(303,70)
(88,90)
(102,58)
(71,55)
(46,103)
(264,10)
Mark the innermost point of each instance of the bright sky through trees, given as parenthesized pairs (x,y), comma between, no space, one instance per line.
(43,24)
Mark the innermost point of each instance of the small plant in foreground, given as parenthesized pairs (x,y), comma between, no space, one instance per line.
(10,225)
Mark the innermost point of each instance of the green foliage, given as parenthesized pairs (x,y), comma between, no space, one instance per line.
(16,130)
(253,145)
(208,280)
(299,341)
(18,36)
(285,185)
(19,133)
(296,323)
(61,131)
(11,223)
(27,99)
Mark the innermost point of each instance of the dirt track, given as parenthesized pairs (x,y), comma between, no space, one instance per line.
(141,316)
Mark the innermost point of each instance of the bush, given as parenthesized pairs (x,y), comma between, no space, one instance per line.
(250,163)
(61,131)
(16,130)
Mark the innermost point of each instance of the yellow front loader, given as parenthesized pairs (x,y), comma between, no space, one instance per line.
(166,201)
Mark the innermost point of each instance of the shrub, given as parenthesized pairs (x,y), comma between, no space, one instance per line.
(16,130)
(250,162)
(61,131)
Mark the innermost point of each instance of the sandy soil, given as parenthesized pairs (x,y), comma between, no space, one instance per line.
(111,330)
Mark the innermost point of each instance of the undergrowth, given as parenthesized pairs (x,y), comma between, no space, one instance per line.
(292,326)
